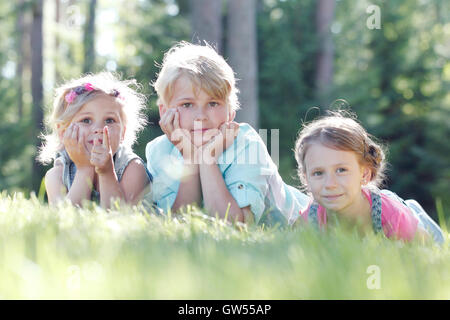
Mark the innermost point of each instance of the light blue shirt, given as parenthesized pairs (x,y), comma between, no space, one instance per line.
(249,173)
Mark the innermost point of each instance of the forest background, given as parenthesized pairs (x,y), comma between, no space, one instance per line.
(389,60)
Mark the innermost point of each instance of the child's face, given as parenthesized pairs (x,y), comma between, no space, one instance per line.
(95,115)
(196,106)
(334,177)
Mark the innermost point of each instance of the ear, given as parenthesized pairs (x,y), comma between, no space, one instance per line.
(231,115)
(366,175)
(162,109)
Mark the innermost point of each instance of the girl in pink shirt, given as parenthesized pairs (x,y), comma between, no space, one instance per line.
(342,166)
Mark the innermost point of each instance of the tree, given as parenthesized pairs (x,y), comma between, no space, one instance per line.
(153,32)
(20,27)
(57,38)
(392,77)
(89,39)
(206,21)
(286,54)
(36,86)
(324,63)
(243,57)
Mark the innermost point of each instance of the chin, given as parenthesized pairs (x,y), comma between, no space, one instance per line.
(197,143)
(197,140)
(333,207)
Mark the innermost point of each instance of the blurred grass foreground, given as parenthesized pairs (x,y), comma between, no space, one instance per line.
(71,253)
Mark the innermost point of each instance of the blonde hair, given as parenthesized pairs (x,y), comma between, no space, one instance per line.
(204,67)
(341,132)
(104,83)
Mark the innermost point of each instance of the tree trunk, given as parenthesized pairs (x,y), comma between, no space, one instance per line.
(56,48)
(242,54)
(206,21)
(324,66)
(20,29)
(89,39)
(36,87)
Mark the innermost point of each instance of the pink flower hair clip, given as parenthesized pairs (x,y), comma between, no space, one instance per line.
(70,97)
(115,93)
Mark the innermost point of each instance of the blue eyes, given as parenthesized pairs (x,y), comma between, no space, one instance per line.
(89,121)
(210,104)
(320,173)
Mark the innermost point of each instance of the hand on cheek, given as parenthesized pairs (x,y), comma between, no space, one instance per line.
(220,140)
(167,122)
(73,142)
(181,139)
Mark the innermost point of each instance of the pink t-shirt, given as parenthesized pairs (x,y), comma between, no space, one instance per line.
(397,220)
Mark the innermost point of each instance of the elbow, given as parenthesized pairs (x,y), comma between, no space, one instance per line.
(239,216)
(242,215)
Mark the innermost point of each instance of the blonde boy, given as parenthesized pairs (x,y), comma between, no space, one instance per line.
(205,157)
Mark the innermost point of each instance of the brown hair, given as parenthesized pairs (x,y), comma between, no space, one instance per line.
(341,132)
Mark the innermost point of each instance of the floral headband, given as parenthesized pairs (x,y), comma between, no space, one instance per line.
(70,97)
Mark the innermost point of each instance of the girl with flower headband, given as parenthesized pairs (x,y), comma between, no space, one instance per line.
(341,166)
(93,124)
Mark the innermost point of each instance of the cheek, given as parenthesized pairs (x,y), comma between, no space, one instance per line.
(115,134)
(220,116)
(313,186)
(84,130)
(115,139)
(186,120)
(356,182)
(351,183)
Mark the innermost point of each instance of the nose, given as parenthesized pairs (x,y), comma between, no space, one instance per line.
(200,114)
(98,127)
(330,181)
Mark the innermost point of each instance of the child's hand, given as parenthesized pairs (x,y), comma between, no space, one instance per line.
(74,143)
(181,139)
(221,140)
(101,154)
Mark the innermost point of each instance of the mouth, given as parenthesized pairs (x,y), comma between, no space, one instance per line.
(91,141)
(332,197)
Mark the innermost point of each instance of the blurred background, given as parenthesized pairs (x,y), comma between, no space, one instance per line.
(389,60)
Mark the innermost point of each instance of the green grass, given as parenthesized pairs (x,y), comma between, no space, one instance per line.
(69,253)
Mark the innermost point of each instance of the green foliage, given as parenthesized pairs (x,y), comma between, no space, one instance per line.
(286,49)
(128,253)
(153,32)
(400,95)
(396,78)
(15,132)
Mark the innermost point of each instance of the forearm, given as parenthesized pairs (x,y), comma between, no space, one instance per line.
(109,189)
(81,188)
(216,196)
(190,190)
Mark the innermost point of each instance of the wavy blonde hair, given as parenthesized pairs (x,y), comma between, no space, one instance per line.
(206,69)
(104,83)
(340,130)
